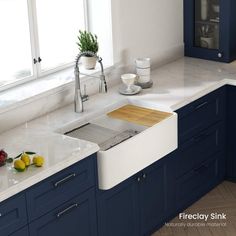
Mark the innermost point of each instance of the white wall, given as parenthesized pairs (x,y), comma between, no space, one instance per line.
(147,28)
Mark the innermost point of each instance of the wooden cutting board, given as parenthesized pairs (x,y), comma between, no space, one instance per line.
(139,115)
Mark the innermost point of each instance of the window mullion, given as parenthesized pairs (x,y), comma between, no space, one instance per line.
(34,37)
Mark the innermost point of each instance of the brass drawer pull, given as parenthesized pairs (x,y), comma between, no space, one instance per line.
(61,213)
(62,181)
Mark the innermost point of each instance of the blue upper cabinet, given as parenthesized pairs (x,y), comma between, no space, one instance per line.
(209,29)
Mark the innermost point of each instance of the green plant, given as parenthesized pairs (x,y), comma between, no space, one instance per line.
(87,42)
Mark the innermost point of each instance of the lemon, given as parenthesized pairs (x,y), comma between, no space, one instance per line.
(38,161)
(19,165)
(26,159)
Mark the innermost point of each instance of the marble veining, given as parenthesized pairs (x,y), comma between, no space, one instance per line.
(175,85)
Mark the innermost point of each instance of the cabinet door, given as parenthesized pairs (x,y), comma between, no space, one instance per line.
(197,182)
(207,29)
(153,197)
(231,133)
(13,215)
(76,217)
(118,210)
(21,232)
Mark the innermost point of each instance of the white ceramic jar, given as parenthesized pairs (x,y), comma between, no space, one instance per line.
(143,69)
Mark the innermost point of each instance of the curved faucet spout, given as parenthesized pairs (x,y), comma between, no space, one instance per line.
(79,99)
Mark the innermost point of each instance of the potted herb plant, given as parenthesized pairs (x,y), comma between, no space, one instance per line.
(88,42)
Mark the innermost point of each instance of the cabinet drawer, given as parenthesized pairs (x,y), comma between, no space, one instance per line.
(60,187)
(196,183)
(12,215)
(200,114)
(199,148)
(75,217)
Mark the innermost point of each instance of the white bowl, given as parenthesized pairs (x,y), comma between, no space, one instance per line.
(143,62)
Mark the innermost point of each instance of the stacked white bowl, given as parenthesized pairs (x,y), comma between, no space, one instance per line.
(143,69)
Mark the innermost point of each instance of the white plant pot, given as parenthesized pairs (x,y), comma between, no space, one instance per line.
(89,63)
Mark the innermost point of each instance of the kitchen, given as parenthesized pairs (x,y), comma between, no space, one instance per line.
(141,183)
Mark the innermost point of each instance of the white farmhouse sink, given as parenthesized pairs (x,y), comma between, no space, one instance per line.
(145,146)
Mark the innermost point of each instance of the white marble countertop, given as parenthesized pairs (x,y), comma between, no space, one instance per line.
(175,85)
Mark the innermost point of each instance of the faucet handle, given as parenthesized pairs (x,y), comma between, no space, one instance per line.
(85,97)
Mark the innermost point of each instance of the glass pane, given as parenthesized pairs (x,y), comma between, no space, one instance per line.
(15,56)
(58,26)
(207,21)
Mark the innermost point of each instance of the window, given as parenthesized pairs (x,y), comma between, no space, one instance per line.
(38,37)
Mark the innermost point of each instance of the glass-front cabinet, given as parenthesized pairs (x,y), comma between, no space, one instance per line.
(210,29)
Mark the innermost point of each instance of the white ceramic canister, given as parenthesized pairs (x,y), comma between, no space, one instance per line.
(143,69)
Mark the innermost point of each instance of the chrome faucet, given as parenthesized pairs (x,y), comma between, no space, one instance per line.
(79,98)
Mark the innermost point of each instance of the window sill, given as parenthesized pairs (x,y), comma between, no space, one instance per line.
(40,88)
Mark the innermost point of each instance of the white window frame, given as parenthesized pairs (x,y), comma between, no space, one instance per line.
(35,47)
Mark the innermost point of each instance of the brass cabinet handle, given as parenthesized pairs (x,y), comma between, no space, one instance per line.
(62,181)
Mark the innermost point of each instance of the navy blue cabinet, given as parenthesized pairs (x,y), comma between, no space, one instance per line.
(201,152)
(153,196)
(118,212)
(137,206)
(73,218)
(209,29)
(65,203)
(59,188)
(197,182)
(231,134)
(201,114)
(196,149)
(13,215)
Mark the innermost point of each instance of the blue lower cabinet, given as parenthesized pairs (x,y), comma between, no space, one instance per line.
(198,182)
(21,232)
(201,114)
(231,134)
(153,200)
(135,207)
(196,150)
(75,217)
(118,213)
(13,215)
(59,188)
